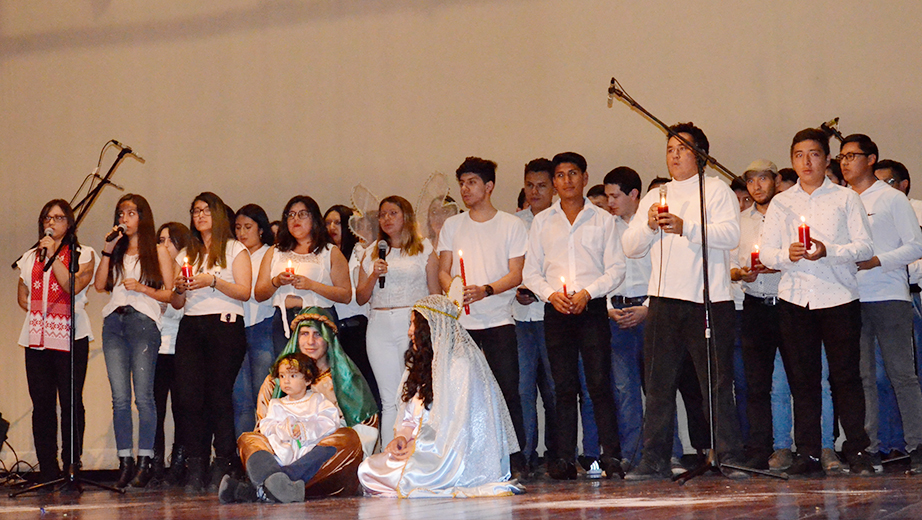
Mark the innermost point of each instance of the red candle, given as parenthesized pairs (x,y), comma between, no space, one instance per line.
(663,207)
(290,269)
(186,268)
(467,308)
(755,258)
(804,232)
(564,282)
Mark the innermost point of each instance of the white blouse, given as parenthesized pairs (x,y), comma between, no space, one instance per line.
(122,297)
(405,281)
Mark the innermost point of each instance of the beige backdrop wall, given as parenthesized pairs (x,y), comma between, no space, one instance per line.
(260,100)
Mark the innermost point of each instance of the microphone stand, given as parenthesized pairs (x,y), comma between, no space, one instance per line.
(72,480)
(711,463)
(832,130)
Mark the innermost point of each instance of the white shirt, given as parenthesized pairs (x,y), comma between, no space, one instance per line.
(84,329)
(488,247)
(122,297)
(637,270)
(915,268)
(837,219)
(532,311)
(678,258)
(317,267)
(405,282)
(208,300)
(897,241)
(766,284)
(587,253)
(253,311)
(348,310)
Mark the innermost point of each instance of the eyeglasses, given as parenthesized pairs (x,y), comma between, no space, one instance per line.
(891,181)
(205,212)
(57,218)
(850,156)
(300,215)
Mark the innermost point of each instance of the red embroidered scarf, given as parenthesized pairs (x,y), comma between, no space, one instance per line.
(49,308)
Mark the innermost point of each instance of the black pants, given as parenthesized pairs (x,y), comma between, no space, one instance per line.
(675,328)
(501,348)
(805,331)
(569,336)
(761,337)
(688,384)
(48,376)
(209,353)
(352,338)
(164,381)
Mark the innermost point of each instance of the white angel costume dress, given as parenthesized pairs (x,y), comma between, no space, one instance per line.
(294,427)
(463,442)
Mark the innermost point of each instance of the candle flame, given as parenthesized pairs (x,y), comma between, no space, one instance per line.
(756,247)
(289,263)
(460,253)
(803,219)
(185,260)
(562,280)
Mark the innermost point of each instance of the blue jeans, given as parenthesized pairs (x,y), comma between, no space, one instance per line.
(256,366)
(782,414)
(130,342)
(627,376)
(532,358)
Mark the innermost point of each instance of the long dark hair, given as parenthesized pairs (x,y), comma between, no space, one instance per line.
(220,233)
(418,360)
(349,238)
(147,246)
(68,212)
(257,214)
(180,235)
(319,236)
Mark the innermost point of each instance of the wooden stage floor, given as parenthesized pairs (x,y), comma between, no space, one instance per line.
(890,496)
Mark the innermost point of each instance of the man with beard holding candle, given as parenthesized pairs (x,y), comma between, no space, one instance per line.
(493,245)
(819,298)
(886,310)
(675,324)
(574,260)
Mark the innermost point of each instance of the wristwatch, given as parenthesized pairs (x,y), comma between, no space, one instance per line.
(489,289)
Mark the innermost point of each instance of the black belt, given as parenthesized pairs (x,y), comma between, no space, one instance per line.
(125,309)
(771,301)
(914,288)
(621,301)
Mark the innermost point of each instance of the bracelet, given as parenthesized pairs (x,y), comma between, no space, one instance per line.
(107,254)
(214,281)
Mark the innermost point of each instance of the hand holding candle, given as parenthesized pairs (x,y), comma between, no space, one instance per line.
(663,207)
(564,282)
(754,263)
(186,268)
(290,269)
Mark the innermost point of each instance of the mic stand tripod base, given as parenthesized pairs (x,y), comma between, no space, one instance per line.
(71,481)
(710,464)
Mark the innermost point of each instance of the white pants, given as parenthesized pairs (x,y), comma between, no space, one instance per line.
(386,342)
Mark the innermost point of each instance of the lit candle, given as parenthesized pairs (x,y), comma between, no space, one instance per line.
(290,269)
(755,257)
(186,268)
(564,282)
(804,232)
(663,207)
(467,308)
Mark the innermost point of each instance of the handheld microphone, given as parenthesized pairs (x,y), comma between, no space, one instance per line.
(42,253)
(382,253)
(120,230)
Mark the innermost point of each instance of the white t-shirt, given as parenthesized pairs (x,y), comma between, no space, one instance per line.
(314,266)
(169,327)
(348,310)
(487,247)
(122,297)
(207,300)
(84,329)
(253,311)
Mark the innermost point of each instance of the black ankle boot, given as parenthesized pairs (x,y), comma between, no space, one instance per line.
(196,473)
(158,471)
(219,467)
(144,474)
(176,476)
(125,471)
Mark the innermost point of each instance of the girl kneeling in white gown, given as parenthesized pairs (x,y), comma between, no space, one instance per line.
(453,434)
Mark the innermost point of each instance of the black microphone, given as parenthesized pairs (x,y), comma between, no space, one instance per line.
(42,253)
(382,253)
(120,230)
(129,150)
(611,92)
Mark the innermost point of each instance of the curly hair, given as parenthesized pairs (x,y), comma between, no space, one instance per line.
(300,363)
(418,359)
